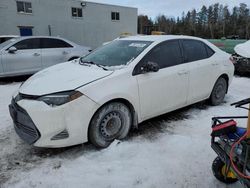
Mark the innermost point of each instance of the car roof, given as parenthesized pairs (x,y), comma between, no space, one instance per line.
(159,38)
(3,36)
(53,37)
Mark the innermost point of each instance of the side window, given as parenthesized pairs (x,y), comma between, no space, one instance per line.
(165,55)
(54,43)
(210,52)
(194,50)
(28,44)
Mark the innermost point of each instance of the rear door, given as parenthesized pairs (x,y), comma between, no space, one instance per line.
(165,90)
(203,70)
(54,51)
(27,58)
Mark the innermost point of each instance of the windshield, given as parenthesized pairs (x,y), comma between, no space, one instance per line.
(7,43)
(118,52)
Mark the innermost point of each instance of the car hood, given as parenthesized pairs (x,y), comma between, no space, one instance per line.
(62,77)
(243,49)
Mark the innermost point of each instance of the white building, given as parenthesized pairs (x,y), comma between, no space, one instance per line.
(85,23)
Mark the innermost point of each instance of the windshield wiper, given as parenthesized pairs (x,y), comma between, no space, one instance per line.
(81,62)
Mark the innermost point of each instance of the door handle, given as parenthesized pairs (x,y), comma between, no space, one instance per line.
(65,53)
(36,54)
(183,72)
(214,64)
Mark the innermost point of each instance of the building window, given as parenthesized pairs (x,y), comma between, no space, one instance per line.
(24,7)
(76,12)
(115,16)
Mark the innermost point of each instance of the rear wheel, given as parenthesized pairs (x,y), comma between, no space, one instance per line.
(219,169)
(112,121)
(219,91)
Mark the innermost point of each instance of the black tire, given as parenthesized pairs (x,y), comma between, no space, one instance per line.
(219,91)
(217,169)
(112,121)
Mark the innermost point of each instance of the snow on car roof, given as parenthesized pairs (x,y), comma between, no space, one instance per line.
(243,49)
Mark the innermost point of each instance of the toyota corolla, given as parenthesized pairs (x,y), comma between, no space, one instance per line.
(101,96)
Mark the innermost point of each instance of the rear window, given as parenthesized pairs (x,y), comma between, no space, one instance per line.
(54,43)
(194,50)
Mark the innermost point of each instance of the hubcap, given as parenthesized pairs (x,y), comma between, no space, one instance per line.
(111,125)
(219,91)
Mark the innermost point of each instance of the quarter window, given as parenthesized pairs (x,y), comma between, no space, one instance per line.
(165,55)
(76,12)
(54,43)
(28,44)
(210,52)
(24,7)
(115,16)
(194,50)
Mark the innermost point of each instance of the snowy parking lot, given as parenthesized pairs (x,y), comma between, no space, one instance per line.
(171,151)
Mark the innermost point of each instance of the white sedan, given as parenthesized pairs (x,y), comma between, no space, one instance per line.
(27,55)
(99,97)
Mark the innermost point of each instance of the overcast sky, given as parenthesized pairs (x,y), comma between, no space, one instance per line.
(174,8)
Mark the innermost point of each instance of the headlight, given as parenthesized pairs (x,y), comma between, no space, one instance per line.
(58,99)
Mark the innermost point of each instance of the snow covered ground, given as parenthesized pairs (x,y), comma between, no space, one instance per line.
(171,151)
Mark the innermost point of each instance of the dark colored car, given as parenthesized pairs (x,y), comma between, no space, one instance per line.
(4,38)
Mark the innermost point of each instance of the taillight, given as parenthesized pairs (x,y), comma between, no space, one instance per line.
(232,60)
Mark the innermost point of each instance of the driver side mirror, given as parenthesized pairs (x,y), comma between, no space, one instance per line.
(150,67)
(12,50)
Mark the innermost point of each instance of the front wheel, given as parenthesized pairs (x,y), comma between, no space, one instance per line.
(112,121)
(219,169)
(219,91)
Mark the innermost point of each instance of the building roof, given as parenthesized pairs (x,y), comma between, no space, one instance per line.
(107,4)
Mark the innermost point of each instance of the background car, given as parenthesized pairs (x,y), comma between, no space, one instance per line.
(4,38)
(99,97)
(27,55)
(242,58)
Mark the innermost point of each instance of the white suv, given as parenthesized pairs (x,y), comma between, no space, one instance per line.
(99,97)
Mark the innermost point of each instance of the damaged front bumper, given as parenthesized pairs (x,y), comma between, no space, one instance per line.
(23,124)
(52,127)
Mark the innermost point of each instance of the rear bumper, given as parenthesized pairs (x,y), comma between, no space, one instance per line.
(23,124)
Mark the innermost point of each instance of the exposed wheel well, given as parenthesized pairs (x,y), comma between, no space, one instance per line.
(225,76)
(128,104)
(72,58)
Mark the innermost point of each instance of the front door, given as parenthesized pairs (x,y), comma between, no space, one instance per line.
(167,89)
(25,60)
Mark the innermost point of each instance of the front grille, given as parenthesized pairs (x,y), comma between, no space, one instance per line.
(30,131)
(24,125)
